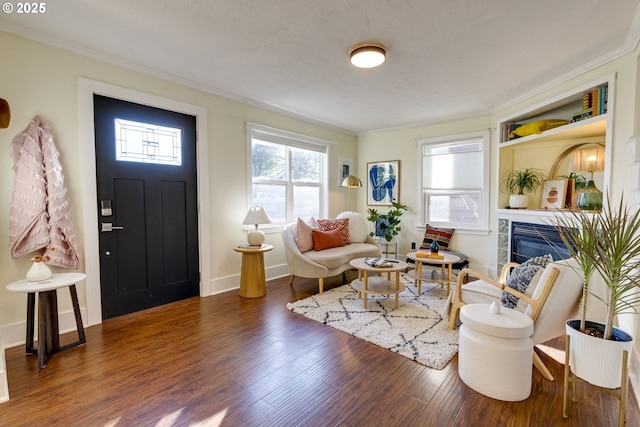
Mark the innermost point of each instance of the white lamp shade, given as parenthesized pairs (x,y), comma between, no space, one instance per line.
(256,215)
(590,160)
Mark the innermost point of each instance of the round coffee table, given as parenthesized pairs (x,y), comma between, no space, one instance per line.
(376,284)
(445,262)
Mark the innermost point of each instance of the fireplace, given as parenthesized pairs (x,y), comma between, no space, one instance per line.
(531,240)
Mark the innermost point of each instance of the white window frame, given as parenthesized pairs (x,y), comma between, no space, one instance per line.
(291,139)
(482,225)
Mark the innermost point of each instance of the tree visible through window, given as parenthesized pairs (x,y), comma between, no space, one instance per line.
(288,173)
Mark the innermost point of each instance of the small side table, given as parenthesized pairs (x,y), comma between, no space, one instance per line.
(48,329)
(495,355)
(446,262)
(378,284)
(253,283)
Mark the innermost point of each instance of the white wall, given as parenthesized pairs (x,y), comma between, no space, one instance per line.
(38,79)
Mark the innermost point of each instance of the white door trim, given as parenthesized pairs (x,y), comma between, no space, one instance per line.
(86,89)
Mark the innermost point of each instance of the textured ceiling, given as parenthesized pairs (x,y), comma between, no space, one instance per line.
(447,59)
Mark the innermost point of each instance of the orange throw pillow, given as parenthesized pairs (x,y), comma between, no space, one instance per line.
(326,239)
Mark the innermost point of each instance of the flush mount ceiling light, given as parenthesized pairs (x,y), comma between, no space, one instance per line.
(367,55)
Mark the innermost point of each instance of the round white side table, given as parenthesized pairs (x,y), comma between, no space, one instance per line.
(495,355)
(48,330)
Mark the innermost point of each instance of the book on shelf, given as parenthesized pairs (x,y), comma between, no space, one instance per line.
(507,128)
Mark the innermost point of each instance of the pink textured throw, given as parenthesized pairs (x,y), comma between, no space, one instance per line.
(39,215)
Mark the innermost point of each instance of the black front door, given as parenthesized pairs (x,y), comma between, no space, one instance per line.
(147,205)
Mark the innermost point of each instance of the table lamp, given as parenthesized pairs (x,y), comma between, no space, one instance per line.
(351,182)
(592,160)
(256,215)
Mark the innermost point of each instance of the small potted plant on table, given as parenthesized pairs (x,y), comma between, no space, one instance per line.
(521,181)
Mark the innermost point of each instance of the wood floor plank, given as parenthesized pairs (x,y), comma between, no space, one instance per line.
(229,361)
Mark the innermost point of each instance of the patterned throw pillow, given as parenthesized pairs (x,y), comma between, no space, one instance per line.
(441,235)
(333,224)
(521,278)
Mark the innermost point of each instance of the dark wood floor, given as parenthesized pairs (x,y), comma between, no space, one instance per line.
(228,361)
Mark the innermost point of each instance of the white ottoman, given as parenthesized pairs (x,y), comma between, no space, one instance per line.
(495,352)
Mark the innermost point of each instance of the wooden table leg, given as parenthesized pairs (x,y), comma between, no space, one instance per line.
(397,287)
(448,279)
(419,279)
(365,287)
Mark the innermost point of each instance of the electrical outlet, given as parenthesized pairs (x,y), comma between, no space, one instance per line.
(413,245)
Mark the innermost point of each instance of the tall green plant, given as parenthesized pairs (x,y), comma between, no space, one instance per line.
(578,231)
(611,242)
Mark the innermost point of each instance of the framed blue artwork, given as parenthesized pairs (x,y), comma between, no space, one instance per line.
(383,183)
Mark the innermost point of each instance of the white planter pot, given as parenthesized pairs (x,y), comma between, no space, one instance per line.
(518,201)
(596,360)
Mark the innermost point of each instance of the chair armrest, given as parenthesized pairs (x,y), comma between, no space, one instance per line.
(462,279)
(506,270)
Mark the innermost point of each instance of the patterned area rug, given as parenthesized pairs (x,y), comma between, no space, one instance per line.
(415,330)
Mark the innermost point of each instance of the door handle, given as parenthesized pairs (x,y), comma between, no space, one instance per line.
(108,226)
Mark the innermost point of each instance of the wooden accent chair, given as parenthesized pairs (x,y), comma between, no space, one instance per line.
(554,299)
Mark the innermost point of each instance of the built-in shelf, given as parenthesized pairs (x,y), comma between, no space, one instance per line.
(588,128)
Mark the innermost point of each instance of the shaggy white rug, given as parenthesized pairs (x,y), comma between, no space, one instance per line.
(415,330)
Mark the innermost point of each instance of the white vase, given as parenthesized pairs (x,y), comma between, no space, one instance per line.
(38,271)
(596,360)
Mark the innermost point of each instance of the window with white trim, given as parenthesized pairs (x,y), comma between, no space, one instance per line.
(288,173)
(454,181)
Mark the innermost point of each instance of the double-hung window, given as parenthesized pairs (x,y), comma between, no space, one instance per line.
(288,173)
(454,181)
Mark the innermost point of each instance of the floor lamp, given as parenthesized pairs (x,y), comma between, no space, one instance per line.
(351,182)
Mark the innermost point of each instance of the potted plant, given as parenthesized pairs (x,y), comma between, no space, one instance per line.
(521,181)
(387,225)
(607,244)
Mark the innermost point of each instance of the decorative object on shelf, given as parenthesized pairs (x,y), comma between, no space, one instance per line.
(434,247)
(590,160)
(383,183)
(351,182)
(608,244)
(5,114)
(536,127)
(256,215)
(367,55)
(553,193)
(386,225)
(521,181)
(39,270)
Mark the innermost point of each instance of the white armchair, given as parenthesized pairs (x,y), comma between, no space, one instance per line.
(553,300)
(333,261)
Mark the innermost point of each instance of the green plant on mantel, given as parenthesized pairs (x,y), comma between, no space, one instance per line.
(528,179)
(608,243)
(388,224)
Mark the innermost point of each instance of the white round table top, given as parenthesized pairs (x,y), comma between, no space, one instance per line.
(508,323)
(56,281)
(396,265)
(449,258)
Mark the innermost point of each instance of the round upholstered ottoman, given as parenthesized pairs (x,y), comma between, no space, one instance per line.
(495,352)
